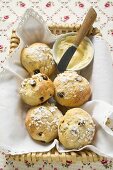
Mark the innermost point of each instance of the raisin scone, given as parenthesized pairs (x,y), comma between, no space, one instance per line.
(42,122)
(71,89)
(37,58)
(76,129)
(37,89)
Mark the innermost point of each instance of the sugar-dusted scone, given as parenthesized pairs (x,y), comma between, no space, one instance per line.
(76,129)
(71,89)
(36,90)
(42,122)
(37,58)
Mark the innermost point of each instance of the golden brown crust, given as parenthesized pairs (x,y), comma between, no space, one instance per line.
(37,89)
(71,89)
(38,56)
(76,129)
(42,122)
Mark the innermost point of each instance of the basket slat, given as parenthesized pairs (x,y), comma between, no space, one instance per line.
(53,155)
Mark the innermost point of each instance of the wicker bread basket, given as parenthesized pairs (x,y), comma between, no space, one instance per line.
(53,155)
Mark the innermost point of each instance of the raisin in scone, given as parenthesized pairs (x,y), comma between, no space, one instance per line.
(37,58)
(42,122)
(37,89)
(71,89)
(76,129)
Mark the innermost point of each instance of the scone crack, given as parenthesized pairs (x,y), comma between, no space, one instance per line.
(74,130)
(61,94)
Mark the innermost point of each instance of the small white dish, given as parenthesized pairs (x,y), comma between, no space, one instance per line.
(56,48)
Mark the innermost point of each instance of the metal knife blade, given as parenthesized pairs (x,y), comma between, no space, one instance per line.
(62,65)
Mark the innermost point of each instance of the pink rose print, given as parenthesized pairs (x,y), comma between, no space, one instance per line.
(1,47)
(81,5)
(55,169)
(1,169)
(110,32)
(22,4)
(66,18)
(6,17)
(48,4)
(107,4)
(104,161)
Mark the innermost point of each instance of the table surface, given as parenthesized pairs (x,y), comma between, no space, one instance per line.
(53,11)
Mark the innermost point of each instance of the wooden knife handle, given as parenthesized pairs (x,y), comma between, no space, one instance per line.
(86,25)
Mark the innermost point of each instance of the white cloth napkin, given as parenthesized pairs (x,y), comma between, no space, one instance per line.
(14,138)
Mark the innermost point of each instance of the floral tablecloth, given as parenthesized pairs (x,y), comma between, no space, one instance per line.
(57,11)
